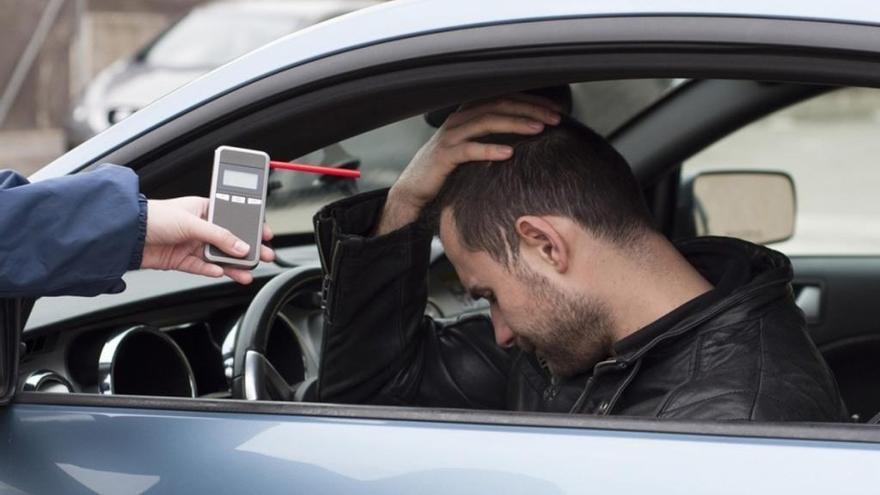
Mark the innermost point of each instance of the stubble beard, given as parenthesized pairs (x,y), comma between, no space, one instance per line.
(571,334)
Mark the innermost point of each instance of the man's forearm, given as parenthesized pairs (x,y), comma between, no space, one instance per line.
(397,213)
(375,297)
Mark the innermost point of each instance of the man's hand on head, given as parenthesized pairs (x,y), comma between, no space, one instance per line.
(454,143)
(177,233)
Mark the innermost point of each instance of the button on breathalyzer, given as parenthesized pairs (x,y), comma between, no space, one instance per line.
(238,201)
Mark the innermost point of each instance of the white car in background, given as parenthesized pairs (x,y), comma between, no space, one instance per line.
(204,39)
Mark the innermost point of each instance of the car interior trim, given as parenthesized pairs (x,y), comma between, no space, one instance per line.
(111,356)
(46,381)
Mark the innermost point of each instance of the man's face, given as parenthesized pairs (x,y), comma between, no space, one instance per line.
(570,332)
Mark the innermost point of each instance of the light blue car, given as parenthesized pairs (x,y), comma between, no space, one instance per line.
(132,393)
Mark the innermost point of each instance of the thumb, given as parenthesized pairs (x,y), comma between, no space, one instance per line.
(204,231)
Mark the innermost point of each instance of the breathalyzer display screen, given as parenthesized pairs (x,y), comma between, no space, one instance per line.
(234,178)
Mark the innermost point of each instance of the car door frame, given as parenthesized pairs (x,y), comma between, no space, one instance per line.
(11,325)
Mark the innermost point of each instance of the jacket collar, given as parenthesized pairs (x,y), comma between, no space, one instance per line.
(746,276)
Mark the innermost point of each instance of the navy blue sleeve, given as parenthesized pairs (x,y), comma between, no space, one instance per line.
(73,235)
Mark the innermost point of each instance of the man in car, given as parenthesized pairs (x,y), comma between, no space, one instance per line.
(592,309)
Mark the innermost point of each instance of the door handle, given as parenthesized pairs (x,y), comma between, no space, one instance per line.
(809,299)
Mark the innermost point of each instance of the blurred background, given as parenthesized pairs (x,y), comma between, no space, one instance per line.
(71,68)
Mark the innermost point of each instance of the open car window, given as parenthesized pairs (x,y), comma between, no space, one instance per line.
(380,154)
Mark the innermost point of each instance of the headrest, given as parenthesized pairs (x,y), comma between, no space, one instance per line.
(559,94)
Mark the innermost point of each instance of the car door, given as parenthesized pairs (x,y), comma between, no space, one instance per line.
(87,443)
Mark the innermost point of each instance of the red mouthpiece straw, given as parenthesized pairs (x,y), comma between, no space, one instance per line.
(315,169)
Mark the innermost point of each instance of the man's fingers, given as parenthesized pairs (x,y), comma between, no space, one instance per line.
(493,124)
(538,108)
(195,265)
(266,254)
(477,152)
(200,230)
(239,275)
(267,232)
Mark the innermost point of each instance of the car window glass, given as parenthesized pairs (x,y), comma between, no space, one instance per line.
(381,154)
(829,146)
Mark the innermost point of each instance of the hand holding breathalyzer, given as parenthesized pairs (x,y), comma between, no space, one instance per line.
(238,201)
(229,242)
(222,235)
(238,197)
(177,232)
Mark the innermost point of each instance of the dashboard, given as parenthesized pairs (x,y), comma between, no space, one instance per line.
(172,334)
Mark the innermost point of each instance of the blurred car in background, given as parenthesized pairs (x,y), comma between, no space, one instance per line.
(206,38)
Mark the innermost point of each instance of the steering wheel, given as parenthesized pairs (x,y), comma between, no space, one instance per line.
(253,376)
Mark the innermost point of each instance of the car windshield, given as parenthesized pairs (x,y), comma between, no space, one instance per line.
(381,154)
(214,37)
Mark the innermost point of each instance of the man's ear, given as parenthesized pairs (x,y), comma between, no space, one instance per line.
(539,235)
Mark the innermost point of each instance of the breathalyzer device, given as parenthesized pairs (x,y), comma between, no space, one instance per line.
(238,201)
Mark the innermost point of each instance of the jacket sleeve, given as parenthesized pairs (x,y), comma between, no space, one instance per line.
(378,345)
(73,235)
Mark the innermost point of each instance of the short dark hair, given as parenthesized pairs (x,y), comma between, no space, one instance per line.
(566,170)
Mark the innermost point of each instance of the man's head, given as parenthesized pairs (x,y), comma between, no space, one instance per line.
(526,234)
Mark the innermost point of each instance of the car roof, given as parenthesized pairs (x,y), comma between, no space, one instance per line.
(405,18)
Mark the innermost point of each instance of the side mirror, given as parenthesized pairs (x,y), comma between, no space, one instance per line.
(757,206)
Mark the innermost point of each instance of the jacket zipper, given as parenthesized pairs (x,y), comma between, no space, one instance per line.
(621,365)
(552,391)
(327,285)
(318,235)
(330,269)
(579,403)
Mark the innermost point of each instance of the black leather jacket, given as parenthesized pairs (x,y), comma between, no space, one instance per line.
(744,355)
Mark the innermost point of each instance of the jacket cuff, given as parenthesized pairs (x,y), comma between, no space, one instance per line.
(137,256)
(353,220)
(356,215)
